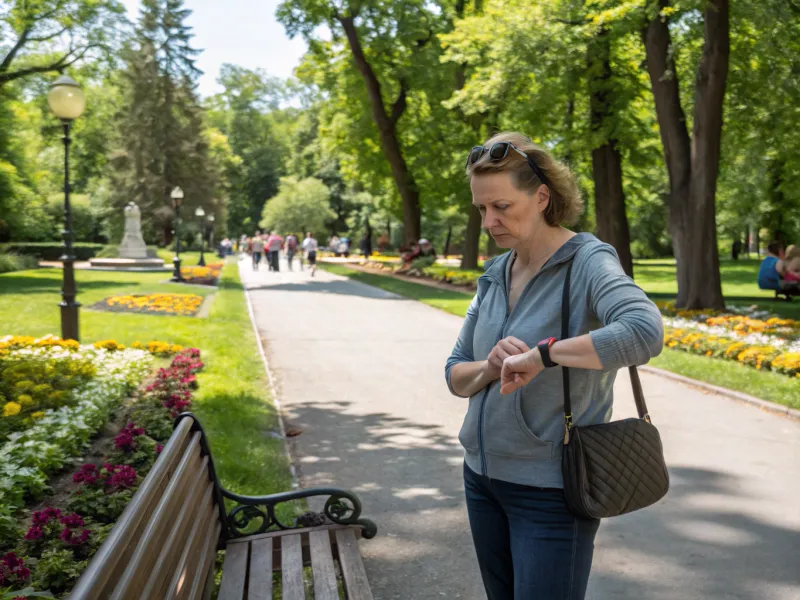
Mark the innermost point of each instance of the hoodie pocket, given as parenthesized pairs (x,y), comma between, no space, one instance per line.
(505,431)
(468,436)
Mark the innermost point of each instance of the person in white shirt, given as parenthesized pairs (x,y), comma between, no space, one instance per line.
(310,246)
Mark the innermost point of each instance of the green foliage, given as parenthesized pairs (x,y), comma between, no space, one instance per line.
(10,261)
(301,205)
(52,251)
(57,570)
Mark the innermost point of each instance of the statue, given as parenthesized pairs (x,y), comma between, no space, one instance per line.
(132,245)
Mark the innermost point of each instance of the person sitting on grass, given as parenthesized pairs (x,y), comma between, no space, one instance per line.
(792,263)
(772,272)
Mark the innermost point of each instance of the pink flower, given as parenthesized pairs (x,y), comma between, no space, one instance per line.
(122,476)
(159,448)
(87,474)
(12,570)
(73,520)
(34,533)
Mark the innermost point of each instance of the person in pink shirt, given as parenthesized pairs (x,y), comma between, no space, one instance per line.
(274,247)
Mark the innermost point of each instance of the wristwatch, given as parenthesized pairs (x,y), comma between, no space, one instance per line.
(544,352)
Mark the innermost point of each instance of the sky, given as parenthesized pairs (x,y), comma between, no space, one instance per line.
(241,32)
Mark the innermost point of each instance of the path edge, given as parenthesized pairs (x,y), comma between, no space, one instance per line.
(766,405)
(273,390)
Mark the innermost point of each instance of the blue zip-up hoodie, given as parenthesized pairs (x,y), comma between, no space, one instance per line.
(519,438)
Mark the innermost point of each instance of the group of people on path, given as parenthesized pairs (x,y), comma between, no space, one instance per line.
(271,245)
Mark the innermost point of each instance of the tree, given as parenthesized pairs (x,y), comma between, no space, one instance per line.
(44,36)
(387,42)
(162,136)
(692,162)
(301,205)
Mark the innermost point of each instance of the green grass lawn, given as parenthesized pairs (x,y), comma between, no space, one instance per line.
(233,400)
(762,384)
(657,278)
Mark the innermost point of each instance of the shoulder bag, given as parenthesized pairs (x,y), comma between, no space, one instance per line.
(611,468)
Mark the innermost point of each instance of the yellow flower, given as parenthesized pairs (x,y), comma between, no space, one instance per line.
(37,415)
(11,409)
(24,399)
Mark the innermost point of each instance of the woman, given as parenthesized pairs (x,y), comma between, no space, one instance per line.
(529,545)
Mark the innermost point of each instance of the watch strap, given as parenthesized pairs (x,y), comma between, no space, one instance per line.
(544,352)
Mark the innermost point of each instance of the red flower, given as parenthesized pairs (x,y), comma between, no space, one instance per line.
(13,570)
(159,448)
(87,474)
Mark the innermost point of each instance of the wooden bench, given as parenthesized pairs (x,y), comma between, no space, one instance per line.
(164,545)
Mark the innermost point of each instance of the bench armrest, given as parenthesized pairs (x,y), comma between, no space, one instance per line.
(342,507)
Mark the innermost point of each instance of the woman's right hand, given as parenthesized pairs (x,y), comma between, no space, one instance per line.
(506,347)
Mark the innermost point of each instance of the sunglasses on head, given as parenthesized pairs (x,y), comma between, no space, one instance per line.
(498,151)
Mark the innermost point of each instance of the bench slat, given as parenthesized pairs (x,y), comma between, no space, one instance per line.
(322,565)
(179,537)
(234,573)
(103,571)
(355,577)
(200,528)
(172,500)
(292,567)
(259,586)
(202,578)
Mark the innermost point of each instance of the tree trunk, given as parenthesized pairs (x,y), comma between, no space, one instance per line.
(447,240)
(705,285)
(386,124)
(692,171)
(609,196)
(472,238)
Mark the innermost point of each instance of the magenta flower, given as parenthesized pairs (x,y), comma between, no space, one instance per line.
(159,448)
(73,520)
(34,533)
(86,474)
(12,570)
(68,537)
(43,517)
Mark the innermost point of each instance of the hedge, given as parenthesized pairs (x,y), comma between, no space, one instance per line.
(15,262)
(52,250)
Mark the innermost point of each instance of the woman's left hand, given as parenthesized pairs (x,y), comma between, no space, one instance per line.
(519,370)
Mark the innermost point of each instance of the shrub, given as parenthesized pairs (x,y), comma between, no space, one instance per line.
(9,261)
(52,251)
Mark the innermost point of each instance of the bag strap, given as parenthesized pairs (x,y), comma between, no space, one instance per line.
(638,393)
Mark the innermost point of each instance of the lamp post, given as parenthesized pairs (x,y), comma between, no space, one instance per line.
(66,101)
(211,233)
(200,213)
(177,198)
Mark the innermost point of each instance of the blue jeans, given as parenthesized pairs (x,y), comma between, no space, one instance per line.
(529,545)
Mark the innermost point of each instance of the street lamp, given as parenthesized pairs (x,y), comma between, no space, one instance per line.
(200,213)
(66,101)
(177,198)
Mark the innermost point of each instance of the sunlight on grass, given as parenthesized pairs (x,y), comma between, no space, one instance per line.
(233,400)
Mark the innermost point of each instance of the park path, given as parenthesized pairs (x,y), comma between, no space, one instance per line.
(361,372)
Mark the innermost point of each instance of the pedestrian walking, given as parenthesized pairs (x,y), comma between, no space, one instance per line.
(256,250)
(274,247)
(366,245)
(528,542)
(310,246)
(291,249)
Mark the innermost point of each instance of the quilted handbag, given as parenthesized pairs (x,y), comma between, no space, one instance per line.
(611,468)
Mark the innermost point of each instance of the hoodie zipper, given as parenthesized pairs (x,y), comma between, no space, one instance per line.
(525,291)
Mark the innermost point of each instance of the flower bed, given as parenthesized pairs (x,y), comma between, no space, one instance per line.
(208,275)
(58,541)
(441,273)
(160,304)
(762,357)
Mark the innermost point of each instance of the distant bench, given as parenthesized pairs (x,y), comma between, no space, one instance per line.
(164,544)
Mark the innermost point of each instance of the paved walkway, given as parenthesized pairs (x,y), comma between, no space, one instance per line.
(361,371)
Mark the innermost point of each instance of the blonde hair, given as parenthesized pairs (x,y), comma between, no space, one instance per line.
(566,204)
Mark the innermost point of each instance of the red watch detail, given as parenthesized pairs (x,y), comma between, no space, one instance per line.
(549,341)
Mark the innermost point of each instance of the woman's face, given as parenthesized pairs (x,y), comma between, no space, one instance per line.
(512,217)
